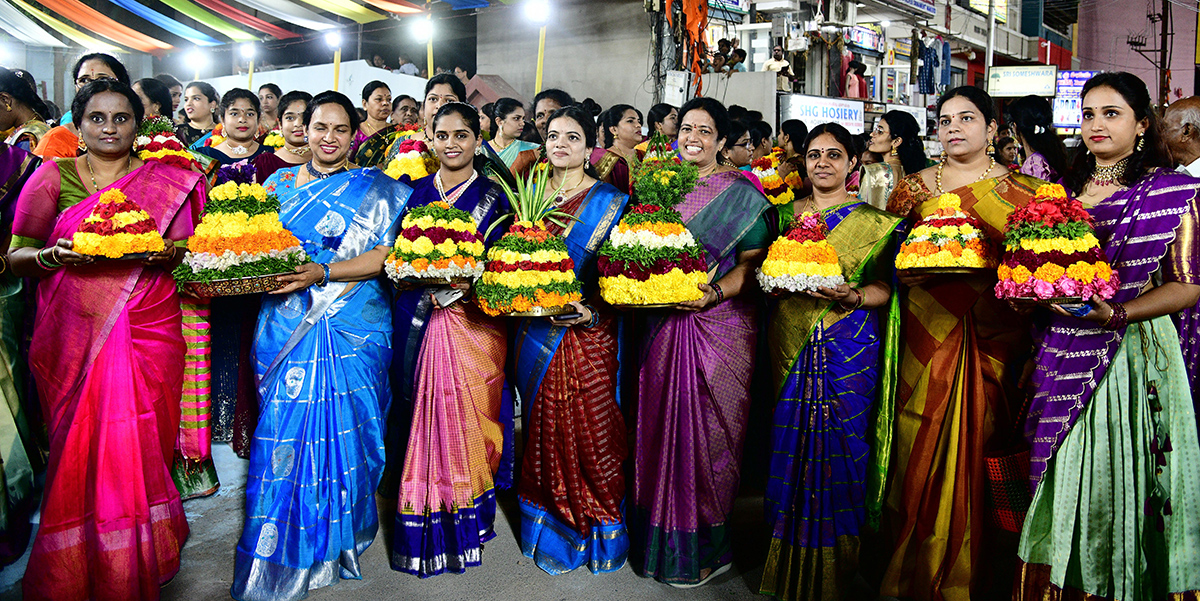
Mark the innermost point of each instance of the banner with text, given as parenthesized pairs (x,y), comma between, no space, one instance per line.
(815,110)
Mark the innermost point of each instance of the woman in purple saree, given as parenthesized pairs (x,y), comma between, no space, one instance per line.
(1116,506)
(694,383)
(108,356)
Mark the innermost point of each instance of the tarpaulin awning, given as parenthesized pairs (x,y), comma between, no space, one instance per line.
(464,4)
(345,8)
(96,22)
(237,15)
(73,34)
(167,23)
(400,7)
(210,20)
(292,13)
(24,29)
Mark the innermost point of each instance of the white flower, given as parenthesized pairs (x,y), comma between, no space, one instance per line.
(801,282)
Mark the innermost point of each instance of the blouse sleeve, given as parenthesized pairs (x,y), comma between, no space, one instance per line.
(58,143)
(1182,261)
(37,208)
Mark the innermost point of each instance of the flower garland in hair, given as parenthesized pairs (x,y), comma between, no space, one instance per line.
(767,170)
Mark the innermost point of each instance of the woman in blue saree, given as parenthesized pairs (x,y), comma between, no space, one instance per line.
(453,418)
(321,352)
(572,488)
(833,359)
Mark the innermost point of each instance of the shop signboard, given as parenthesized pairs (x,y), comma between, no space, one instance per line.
(981,7)
(815,110)
(1067,100)
(918,112)
(1014,82)
(903,46)
(865,36)
(918,7)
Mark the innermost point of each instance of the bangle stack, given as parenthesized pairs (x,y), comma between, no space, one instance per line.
(720,293)
(43,262)
(325,280)
(3,263)
(1117,319)
(595,317)
(858,301)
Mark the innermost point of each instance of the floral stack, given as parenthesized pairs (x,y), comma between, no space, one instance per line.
(117,228)
(218,136)
(650,258)
(1051,252)
(239,238)
(767,171)
(274,139)
(529,272)
(412,162)
(947,240)
(156,141)
(801,260)
(438,244)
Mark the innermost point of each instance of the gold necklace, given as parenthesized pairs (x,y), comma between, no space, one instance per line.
(1106,175)
(87,159)
(942,165)
(562,189)
(303,151)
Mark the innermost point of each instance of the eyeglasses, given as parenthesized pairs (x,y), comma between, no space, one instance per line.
(85,80)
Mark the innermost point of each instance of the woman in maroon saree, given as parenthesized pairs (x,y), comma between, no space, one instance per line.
(108,357)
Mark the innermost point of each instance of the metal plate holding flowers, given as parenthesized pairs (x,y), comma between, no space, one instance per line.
(543,311)
(236,286)
(649,306)
(1058,300)
(128,257)
(944,270)
(409,283)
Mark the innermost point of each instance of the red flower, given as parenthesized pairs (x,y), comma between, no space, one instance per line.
(106,210)
(104,228)
(525,265)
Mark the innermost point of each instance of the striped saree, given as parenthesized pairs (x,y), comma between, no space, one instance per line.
(962,354)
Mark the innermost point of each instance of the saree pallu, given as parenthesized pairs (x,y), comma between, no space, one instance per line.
(1116,510)
(108,356)
(322,355)
(193,469)
(572,487)
(694,388)
(615,169)
(878,181)
(372,151)
(452,414)
(835,373)
(519,156)
(963,351)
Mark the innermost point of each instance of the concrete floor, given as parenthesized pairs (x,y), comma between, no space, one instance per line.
(506,574)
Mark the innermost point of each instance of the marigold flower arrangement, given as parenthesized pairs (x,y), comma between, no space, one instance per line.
(412,162)
(767,171)
(274,139)
(437,241)
(528,268)
(651,258)
(801,260)
(947,238)
(156,141)
(117,227)
(239,235)
(218,135)
(1051,251)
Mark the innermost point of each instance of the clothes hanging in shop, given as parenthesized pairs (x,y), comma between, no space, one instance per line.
(929,63)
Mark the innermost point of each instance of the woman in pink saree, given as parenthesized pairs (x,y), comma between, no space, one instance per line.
(108,357)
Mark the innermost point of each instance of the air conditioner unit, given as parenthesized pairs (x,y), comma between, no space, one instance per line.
(843,13)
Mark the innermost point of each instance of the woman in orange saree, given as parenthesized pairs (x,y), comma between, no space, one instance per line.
(959,364)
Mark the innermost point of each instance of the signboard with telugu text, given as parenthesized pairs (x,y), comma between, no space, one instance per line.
(815,110)
(1014,82)
(1067,98)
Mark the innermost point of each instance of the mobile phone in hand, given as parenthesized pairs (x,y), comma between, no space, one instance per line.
(566,316)
(1077,309)
(448,296)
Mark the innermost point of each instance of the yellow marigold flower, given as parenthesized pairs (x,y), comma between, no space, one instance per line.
(422,245)
(1051,190)
(1104,271)
(949,201)
(1082,272)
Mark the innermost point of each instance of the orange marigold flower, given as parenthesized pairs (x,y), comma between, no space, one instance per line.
(1021,274)
(1049,272)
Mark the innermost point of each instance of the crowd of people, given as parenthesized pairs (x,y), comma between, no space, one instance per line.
(867,413)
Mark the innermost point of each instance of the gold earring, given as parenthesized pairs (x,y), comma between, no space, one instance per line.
(894,153)
(1141,145)
(991,149)
(7,106)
